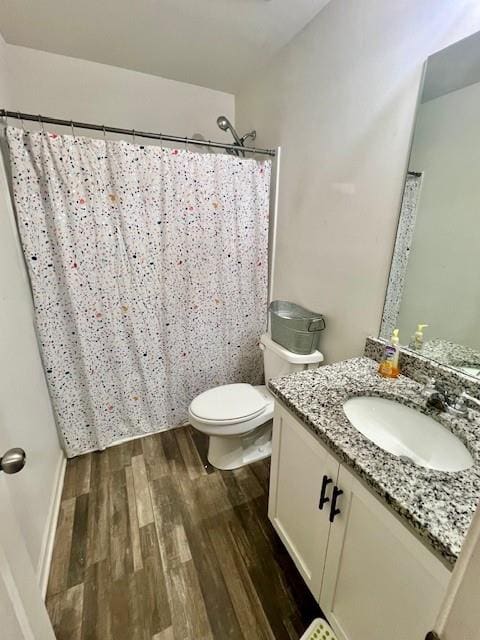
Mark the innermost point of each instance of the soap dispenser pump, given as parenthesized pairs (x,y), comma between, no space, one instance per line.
(416,342)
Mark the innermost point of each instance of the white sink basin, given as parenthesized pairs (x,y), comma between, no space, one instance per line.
(407,433)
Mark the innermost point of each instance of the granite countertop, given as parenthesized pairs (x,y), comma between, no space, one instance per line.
(437,505)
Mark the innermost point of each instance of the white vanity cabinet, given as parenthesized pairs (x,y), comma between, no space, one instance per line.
(372,577)
(298,472)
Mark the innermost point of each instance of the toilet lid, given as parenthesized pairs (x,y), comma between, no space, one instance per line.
(228,403)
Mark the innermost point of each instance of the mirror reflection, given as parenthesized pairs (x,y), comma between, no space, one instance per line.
(433,295)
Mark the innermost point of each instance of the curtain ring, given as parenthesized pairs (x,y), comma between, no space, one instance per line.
(186,143)
(104,133)
(40,122)
(21,120)
(133,136)
(73,130)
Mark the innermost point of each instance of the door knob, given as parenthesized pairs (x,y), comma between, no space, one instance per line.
(13,460)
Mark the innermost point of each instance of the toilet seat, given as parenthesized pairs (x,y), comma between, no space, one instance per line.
(228,404)
(242,425)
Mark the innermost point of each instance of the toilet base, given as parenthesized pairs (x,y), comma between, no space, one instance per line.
(232,452)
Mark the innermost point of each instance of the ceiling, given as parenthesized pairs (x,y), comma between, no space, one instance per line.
(212,43)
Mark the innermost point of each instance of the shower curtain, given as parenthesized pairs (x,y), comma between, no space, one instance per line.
(148,268)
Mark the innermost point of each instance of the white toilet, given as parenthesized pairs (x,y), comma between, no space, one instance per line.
(238,417)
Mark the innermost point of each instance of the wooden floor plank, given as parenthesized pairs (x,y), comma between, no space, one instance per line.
(139,613)
(142,491)
(120,456)
(78,552)
(189,453)
(137,449)
(248,608)
(152,544)
(261,470)
(156,462)
(206,497)
(248,483)
(153,588)
(133,520)
(97,624)
(58,579)
(119,606)
(98,535)
(167,634)
(271,583)
(65,610)
(201,444)
(77,476)
(100,468)
(121,557)
(169,523)
(223,620)
(189,615)
(173,455)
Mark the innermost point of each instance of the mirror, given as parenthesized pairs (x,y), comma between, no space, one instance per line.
(435,271)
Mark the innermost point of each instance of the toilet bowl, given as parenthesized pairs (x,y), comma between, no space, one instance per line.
(238,417)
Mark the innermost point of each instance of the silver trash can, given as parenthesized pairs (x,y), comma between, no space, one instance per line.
(294,327)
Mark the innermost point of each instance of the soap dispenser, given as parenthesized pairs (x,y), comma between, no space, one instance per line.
(389,364)
(416,342)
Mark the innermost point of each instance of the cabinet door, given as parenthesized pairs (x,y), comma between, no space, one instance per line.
(379,580)
(299,464)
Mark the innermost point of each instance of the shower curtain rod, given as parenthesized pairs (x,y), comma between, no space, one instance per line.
(4,113)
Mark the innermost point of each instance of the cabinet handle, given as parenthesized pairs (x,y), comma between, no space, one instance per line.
(333,508)
(323,498)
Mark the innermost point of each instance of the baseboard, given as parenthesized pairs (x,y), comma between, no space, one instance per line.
(43,569)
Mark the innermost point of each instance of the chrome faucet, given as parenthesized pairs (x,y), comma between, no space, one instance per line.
(436,398)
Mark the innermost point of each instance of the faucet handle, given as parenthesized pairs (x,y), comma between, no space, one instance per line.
(429,387)
(465,399)
(460,407)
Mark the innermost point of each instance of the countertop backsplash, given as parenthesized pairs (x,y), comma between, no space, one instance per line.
(419,368)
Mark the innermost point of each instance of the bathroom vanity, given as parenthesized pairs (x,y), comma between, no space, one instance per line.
(374,536)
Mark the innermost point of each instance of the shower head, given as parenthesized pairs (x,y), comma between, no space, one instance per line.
(224,123)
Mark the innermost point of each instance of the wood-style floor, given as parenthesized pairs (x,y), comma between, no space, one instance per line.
(151,545)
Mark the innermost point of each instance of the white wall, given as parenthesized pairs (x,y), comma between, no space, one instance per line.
(26,417)
(340,99)
(4,84)
(442,286)
(69,88)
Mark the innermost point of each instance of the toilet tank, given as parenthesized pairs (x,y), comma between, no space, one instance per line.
(278,361)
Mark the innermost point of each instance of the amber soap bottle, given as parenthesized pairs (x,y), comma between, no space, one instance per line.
(389,364)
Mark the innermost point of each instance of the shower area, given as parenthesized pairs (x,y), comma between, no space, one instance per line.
(148,260)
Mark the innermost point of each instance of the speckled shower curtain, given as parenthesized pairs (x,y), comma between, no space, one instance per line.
(149,276)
